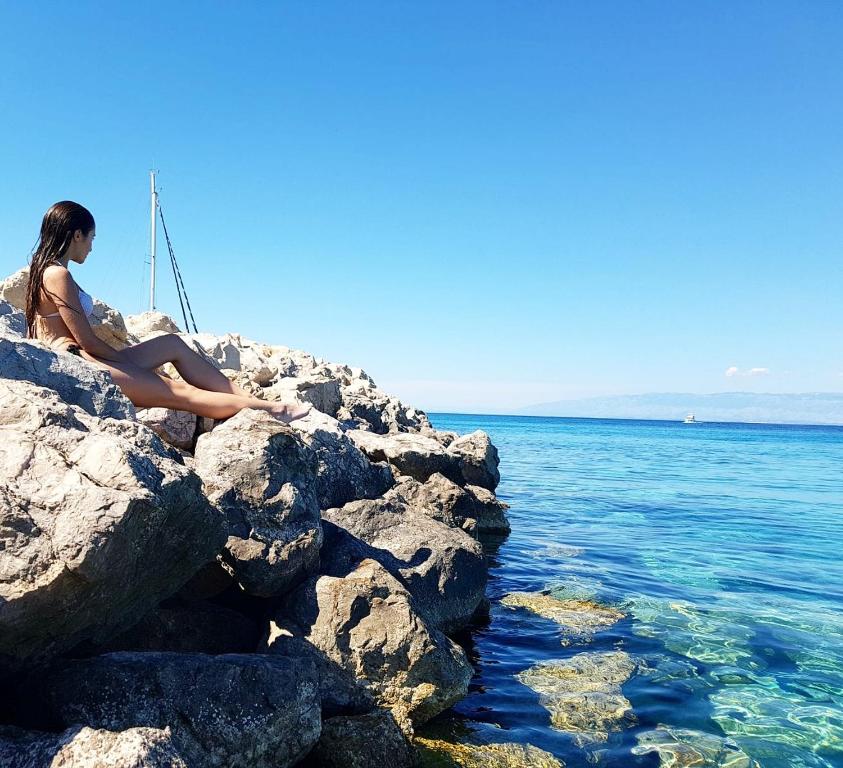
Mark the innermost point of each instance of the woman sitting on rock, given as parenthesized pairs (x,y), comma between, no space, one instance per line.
(57,311)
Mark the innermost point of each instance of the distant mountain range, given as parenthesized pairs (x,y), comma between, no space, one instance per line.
(806,408)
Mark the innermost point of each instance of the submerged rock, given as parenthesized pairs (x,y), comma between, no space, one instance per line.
(262,476)
(686,748)
(83,747)
(583,693)
(367,623)
(361,741)
(435,753)
(94,514)
(579,620)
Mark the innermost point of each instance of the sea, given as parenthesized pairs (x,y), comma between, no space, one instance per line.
(716,551)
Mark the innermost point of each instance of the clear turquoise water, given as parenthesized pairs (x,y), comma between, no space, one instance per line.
(721,543)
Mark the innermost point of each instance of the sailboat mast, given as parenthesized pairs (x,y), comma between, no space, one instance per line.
(153,204)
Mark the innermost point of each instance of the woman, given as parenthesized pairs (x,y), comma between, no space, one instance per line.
(57,311)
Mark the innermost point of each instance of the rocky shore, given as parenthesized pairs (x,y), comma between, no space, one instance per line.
(179,592)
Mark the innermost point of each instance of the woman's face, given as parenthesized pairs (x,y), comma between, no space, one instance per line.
(82,245)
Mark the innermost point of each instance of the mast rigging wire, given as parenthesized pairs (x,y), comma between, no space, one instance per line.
(177,275)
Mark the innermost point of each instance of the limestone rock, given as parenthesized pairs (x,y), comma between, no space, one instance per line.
(231,711)
(442,567)
(579,620)
(150,324)
(263,477)
(12,321)
(74,380)
(679,747)
(361,741)
(83,747)
(411,454)
(367,623)
(478,459)
(320,391)
(436,753)
(344,472)
(13,288)
(583,693)
(174,427)
(94,514)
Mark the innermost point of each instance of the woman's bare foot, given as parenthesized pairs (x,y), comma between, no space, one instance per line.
(290,412)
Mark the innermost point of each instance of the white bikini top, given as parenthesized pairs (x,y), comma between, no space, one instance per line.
(84,299)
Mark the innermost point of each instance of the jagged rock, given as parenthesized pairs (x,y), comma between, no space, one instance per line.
(411,454)
(474,509)
(83,747)
(13,288)
(94,514)
(344,473)
(74,380)
(361,741)
(579,620)
(583,693)
(367,623)
(150,324)
(442,567)
(320,391)
(680,747)
(231,711)
(195,628)
(436,753)
(444,438)
(174,427)
(260,473)
(478,459)
(12,321)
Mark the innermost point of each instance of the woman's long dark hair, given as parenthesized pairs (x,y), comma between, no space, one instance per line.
(57,229)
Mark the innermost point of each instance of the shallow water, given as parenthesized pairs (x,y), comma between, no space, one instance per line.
(720,543)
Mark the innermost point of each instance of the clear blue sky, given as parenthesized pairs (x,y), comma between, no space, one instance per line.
(484,204)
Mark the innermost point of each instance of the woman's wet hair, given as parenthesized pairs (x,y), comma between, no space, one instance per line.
(57,229)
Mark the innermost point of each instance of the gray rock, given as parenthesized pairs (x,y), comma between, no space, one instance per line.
(174,427)
(13,288)
(232,711)
(367,622)
(150,324)
(362,741)
(478,459)
(344,473)
(442,567)
(12,321)
(411,454)
(74,380)
(322,392)
(260,473)
(83,747)
(94,514)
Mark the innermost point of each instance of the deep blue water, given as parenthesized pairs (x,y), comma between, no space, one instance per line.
(720,543)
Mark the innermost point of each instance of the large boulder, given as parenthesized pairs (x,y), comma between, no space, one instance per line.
(474,509)
(231,711)
(83,747)
(478,459)
(75,380)
(95,515)
(410,453)
(322,392)
(13,288)
(361,741)
(147,325)
(442,567)
(344,472)
(12,321)
(367,623)
(176,428)
(263,477)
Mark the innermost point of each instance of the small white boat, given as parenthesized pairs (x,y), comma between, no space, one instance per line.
(689,419)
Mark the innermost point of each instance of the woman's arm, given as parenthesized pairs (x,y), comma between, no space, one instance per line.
(62,289)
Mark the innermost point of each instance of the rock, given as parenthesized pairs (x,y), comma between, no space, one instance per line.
(13,288)
(368,624)
(74,380)
(579,620)
(232,711)
(478,459)
(344,473)
(94,514)
(444,438)
(150,324)
(474,509)
(322,392)
(195,628)
(436,753)
(263,477)
(411,454)
(173,427)
(442,567)
(82,747)
(678,747)
(12,321)
(583,693)
(361,741)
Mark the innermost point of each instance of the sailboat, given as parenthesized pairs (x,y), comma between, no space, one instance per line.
(155,206)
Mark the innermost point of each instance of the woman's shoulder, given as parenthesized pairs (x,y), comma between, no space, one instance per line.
(57,274)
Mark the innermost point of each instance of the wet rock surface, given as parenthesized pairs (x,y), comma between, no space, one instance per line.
(435,753)
(579,620)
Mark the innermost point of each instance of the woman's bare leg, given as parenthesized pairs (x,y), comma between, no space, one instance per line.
(146,389)
(192,367)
